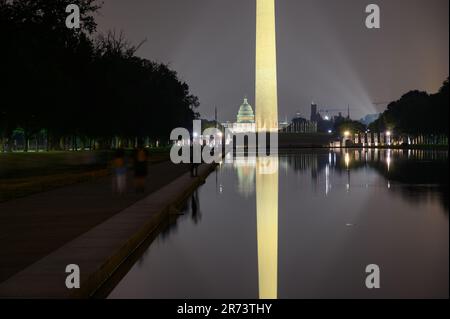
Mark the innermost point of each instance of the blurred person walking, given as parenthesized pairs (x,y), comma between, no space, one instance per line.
(120,172)
(194,166)
(140,168)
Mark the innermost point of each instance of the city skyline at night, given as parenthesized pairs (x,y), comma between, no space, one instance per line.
(325,52)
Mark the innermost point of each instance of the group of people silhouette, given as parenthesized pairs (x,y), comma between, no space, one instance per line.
(120,165)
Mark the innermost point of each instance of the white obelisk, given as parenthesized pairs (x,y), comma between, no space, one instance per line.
(267,168)
(266,98)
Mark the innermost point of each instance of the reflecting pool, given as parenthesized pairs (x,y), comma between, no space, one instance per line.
(306,224)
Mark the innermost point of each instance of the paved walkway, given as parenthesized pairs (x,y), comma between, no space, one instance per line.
(101,251)
(34,226)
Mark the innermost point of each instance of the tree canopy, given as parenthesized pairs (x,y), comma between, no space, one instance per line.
(417,113)
(347,125)
(71,84)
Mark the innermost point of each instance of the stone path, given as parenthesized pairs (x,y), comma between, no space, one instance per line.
(34,226)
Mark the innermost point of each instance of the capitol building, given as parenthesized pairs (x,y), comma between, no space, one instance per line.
(245,120)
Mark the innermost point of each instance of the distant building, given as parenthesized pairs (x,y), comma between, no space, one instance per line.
(300,125)
(245,120)
(283,124)
(315,115)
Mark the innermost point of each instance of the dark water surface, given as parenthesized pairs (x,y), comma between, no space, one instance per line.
(306,225)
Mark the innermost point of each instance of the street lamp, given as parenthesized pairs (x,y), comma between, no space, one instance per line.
(388,138)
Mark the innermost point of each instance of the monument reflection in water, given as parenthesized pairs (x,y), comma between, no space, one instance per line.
(267,224)
(267,191)
(305,225)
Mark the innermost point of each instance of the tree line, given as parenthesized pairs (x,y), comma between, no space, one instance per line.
(74,89)
(421,116)
(418,114)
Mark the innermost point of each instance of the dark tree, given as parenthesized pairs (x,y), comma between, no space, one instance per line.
(418,114)
(74,89)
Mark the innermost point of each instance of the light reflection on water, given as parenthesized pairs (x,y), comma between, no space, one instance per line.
(306,225)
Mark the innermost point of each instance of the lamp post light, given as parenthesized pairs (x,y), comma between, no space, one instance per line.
(388,137)
(346,138)
(220,135)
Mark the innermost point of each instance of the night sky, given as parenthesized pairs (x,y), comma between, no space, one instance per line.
(325,52)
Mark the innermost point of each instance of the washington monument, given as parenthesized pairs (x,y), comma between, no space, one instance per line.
(267,168)
(266,97)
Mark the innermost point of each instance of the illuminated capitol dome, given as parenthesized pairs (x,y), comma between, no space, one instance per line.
(246,114)
(245,120)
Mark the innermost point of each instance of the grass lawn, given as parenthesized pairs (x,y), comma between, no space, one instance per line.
(23,174)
